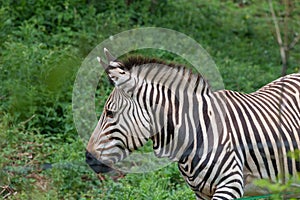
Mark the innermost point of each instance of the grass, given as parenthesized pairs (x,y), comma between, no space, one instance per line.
(42,45)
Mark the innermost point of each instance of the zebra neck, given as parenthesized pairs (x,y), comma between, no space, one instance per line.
(197,130)
(181,112)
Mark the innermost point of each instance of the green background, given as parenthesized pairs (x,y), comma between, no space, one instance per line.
(42,45)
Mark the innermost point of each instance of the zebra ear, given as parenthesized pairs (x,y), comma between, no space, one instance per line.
(110,60)
(117,74)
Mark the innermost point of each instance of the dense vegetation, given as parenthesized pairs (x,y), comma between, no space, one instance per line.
(42,45)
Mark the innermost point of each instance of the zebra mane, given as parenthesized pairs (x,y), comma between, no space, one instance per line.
(144,62)
(137,60)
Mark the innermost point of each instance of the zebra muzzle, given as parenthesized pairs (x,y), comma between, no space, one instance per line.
(95,164)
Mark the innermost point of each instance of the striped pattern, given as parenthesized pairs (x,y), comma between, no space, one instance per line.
(221,140)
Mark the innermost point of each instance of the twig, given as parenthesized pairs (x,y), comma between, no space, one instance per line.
(294,42)
(8,190)
(27,120)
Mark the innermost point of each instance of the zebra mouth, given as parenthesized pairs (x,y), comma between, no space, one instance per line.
(96,165)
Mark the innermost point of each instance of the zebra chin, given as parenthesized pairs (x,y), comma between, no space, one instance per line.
(95,164)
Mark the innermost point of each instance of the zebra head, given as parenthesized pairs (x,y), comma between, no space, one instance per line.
(114,137)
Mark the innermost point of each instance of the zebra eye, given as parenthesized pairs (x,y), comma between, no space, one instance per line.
(109,113)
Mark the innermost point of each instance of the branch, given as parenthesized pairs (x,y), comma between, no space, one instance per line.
(282,48)
(286,27)
(294,42)
(278,34)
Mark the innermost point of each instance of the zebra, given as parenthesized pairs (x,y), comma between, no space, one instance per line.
(222,140)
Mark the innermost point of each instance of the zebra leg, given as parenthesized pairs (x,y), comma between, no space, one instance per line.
(231,186)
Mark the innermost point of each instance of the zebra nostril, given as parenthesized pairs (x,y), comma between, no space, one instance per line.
(95,164)
(89,157)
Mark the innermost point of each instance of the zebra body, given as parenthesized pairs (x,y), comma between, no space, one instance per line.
(256,131)
(221,140)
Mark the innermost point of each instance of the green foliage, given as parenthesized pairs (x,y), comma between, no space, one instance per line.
(279,191)
(42,44)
